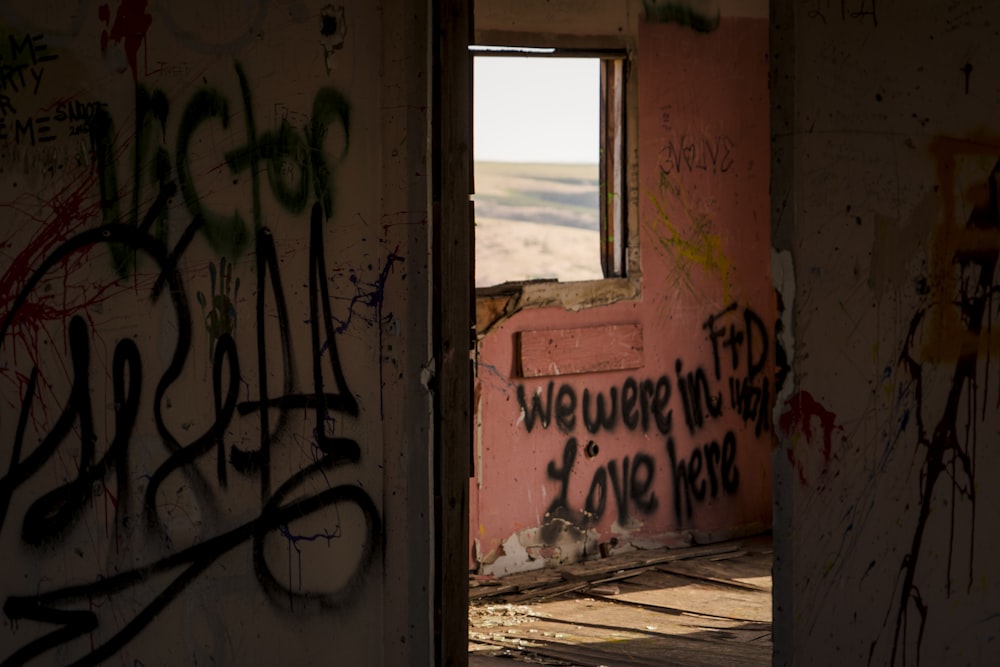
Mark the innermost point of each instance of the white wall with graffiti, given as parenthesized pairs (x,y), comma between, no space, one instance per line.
(213,431)
(885,212)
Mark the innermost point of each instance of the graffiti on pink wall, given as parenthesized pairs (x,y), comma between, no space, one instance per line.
(737,384)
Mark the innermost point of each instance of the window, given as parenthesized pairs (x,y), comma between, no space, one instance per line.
(549,138)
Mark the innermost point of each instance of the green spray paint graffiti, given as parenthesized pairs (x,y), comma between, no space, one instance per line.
(296,161)
(681,13)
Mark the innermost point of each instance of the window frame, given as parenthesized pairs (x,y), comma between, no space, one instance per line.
(619,179)
(614,235)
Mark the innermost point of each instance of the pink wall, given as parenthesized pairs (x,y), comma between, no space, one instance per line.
(704,247)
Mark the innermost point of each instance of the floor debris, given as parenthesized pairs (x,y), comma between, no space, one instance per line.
(694,606)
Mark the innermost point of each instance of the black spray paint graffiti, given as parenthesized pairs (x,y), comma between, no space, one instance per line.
(73,432)
(740,347)
(631,485)
(641,404)
(711,154)
(709,469)
(749,393)
(719,465)
(861,10)
(56,511)
(949,449)
(699,402)
(23,62)
(672,11)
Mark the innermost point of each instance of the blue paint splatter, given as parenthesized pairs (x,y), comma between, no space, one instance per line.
(368,294)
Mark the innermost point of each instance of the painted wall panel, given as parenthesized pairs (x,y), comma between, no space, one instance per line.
(886,213)
(212,320)
(581,350)
(678,449)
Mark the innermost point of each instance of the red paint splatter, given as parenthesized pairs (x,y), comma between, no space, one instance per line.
(129,30)
(791,459)
(64,214)
(70,210)
(800,411)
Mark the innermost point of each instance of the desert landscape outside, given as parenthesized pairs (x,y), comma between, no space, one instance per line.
(536,222)
(536,148)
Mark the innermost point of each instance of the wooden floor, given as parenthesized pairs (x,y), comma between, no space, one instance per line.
(696,606)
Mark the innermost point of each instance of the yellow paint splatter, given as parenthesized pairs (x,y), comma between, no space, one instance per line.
(700,247)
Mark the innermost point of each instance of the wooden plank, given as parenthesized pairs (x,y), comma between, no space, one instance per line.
(692,644)
(582,645)
(518,583)
(580,350)
(453,323)
(585,656)
(700,576)
(548,592)
(678,593)
(595,570)
(595,611)
(673,629)
(660,608)
(572,585)
(656,618)
(751,571)
(493,591)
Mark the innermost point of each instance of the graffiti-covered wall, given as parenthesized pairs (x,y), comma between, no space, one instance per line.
(647,421)
(885,221)
(211,335)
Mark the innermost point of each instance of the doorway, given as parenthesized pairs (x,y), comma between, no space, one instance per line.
(631,410)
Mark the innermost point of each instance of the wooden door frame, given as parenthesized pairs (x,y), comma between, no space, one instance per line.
(453,322)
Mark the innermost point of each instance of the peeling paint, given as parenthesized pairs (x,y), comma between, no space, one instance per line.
(528,550)
(496,305)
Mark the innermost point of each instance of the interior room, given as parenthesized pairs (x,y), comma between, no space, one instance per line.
(432,332)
